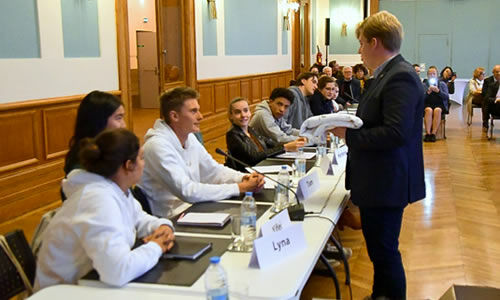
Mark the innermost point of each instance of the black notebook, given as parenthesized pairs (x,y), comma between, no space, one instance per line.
(188,249)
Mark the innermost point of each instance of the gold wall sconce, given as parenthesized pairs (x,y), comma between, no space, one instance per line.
(288,7)
(343,31)
(212,9)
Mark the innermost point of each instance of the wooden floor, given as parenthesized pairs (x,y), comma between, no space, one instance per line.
(453,236)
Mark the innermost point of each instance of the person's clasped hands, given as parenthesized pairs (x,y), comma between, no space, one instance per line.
(163,236)
(253,182)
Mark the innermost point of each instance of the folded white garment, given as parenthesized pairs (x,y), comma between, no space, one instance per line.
(316,126)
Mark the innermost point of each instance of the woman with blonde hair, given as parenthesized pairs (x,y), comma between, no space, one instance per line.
(245,144)
(475,87)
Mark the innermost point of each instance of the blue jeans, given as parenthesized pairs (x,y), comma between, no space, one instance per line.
(381,227)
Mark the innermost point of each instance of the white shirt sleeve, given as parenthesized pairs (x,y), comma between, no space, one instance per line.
(104,239)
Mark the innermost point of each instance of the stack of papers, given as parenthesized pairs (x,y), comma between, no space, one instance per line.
(306,155)
(204,219)
(269,169)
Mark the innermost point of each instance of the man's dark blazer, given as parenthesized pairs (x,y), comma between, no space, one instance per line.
(486,84)
(385,166)
(356,91)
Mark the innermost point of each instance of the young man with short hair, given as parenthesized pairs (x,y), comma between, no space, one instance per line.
(178,170)
(385,166)
(268,119)
(299,109)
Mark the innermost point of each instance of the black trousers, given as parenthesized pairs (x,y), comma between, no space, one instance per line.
(381,227)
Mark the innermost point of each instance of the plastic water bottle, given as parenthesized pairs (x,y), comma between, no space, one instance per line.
(281,193)
(321,150)
(300,163)
(216,281)
(248,220)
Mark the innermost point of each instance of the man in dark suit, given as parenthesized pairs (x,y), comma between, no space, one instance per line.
(385,169)
(488,93)
(488,82)
(349,88)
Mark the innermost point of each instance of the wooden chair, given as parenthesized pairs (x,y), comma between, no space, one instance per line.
(17,265)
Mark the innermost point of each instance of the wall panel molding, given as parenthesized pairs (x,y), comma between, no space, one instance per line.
(35,139)
(215,95)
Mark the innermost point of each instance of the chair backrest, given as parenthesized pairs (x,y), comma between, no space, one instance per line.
(139,194)
(14,255)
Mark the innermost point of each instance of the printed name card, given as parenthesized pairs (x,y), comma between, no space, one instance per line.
(325,164)
(340,155)
(308,185)
(280,240)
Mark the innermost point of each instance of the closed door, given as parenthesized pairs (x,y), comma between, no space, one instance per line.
(434,50)
(147,61)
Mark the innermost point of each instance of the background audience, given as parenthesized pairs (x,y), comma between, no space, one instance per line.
(435,103)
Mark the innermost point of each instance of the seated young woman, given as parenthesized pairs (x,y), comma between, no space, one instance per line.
(97,111)
(98,224)
(323,100)
(243,142)
(436,103)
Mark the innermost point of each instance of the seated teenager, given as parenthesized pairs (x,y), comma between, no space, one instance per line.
(97,111)
(436,102)
(245,144)
(179,171)
(98,224)
(268,118)
(323,100)
(299,109)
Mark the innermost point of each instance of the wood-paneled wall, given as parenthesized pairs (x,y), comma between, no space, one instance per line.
(35,137)
(215,95)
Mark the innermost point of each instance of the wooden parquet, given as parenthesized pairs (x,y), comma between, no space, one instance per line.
(453,236)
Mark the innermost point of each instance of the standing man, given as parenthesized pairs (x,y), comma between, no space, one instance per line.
(385,169)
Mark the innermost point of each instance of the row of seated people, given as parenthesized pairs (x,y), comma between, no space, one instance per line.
(484,92)
(99,221)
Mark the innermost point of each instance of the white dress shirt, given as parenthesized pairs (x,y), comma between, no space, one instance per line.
(96,227)
(175,176)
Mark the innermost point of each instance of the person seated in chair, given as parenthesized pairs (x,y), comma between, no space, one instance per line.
(324,99)
(475,87)
(299,109)
(178,170)
(493,94)
(98,224)
(435,103)
(488,82)
(350,88)
(268,118)
(245,144)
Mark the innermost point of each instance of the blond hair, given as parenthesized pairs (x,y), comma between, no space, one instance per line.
(477,72)
(383,26)
(230,108)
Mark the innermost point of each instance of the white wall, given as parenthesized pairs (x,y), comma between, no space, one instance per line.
(53,75)
(137,11)
(228,66)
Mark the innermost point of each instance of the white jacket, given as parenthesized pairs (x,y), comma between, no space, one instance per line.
(175,176)
(96,228)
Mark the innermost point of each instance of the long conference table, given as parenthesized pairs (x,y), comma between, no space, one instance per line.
(284,280)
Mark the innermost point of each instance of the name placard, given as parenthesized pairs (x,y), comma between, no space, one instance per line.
(279,222)
(325,164)
(308,185)
(340,155)
(278,246)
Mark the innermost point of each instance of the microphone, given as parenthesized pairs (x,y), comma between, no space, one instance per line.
(296,212)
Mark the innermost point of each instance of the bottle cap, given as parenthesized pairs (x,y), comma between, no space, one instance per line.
(214,259)
(283,167)
(249,194)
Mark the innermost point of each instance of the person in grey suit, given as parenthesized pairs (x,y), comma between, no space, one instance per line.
(385,170)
